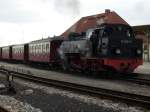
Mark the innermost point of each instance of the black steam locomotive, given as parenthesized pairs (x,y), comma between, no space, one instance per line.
(107,47)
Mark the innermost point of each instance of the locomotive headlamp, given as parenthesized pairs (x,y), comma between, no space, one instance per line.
(118,51)
(139,51)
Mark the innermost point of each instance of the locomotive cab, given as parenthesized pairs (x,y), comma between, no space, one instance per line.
(117,45)
(115,41)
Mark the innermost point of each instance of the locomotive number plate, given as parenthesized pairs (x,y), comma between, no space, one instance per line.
(126,41)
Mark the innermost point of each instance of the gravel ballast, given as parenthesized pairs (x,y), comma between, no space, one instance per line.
(13,105)
(33,97)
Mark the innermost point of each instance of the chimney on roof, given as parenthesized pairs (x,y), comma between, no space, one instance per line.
(107,11)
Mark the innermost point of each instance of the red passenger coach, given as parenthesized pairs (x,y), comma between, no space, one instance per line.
(7,53)
(45,50)
(20,52)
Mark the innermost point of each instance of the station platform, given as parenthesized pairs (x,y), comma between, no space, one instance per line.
(144,69)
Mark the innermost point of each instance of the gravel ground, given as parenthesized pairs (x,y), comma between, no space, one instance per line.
(32,97)
(13,105)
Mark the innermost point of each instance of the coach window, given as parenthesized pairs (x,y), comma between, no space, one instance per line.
(34,49)
(21,49)
(42,48)
(18,50)
(30,49)
(47,48)
(39,48)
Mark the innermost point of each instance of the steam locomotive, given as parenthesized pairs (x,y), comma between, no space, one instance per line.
(108,47)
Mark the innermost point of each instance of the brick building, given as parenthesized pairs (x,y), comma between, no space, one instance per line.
(143,31)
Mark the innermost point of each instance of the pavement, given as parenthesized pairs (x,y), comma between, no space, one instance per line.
(145,68)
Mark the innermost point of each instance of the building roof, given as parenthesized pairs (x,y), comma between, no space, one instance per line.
(93,21)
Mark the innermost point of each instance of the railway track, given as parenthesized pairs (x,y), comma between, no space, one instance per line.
(139,81)
(134,78)
(132,99)
(125,77)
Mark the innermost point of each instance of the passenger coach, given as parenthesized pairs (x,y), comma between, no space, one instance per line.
(7,53)
(45,50)
(20,52)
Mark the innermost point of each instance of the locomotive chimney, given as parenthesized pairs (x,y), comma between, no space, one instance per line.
(107,11)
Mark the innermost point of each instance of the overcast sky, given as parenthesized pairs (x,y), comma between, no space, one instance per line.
(26,20)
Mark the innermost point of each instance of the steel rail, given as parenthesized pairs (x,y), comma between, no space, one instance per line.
(129,98)
(139,81)
(133,78)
